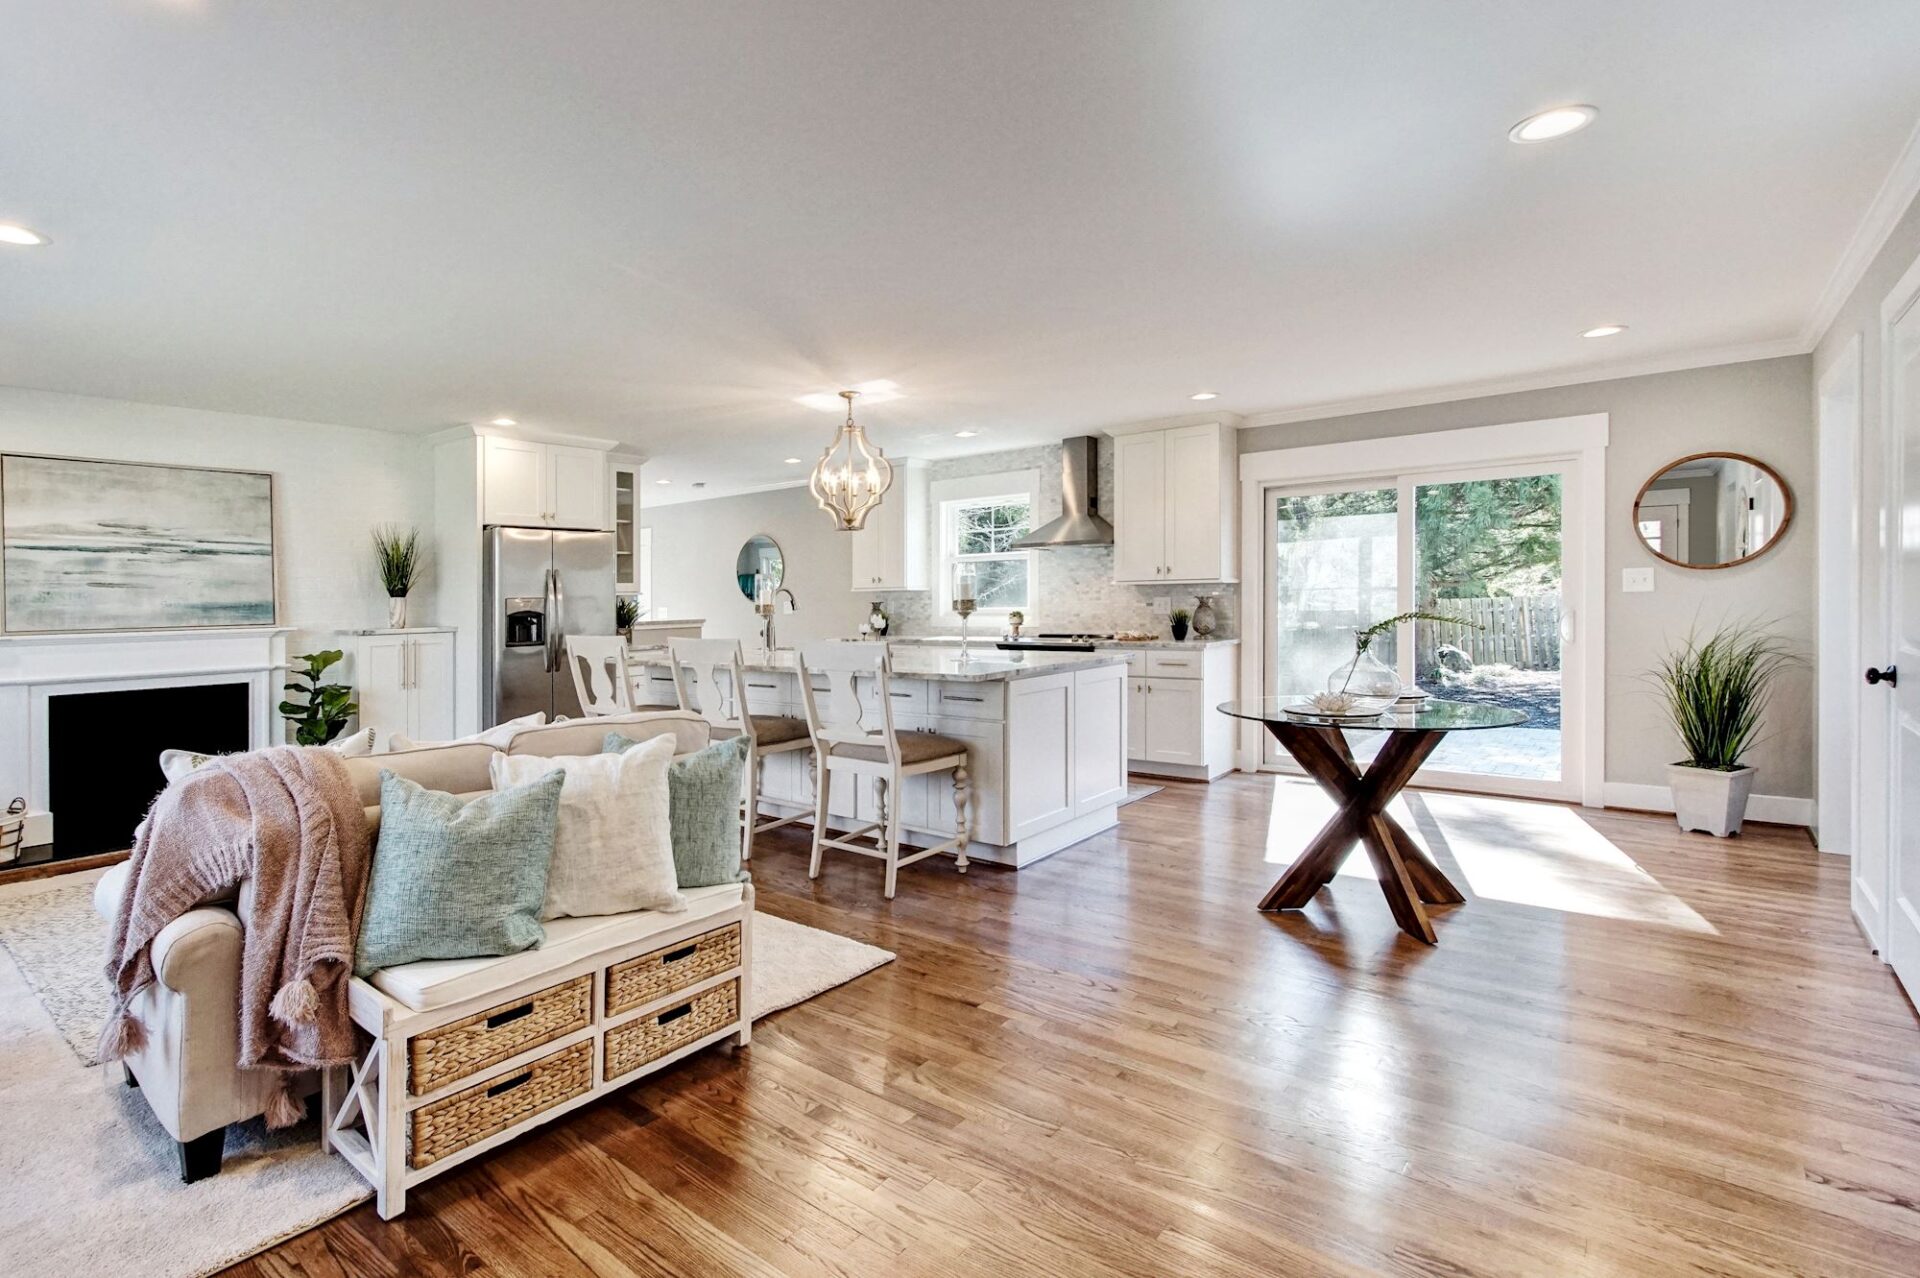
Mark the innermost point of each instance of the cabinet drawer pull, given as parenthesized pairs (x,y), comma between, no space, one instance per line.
(752,684)
(499,1089)
(667,1018)
(509,1016)
(902,695)
(684,952)
(950,696)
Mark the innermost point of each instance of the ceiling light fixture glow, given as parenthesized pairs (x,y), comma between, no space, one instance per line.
(1605,330)
(1204,395)
(965,434)
(663,482)
(875,392)
(792,461)
(1547,125)
(504,421)
(20,236)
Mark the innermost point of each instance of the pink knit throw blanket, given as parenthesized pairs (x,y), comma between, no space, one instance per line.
(287,819)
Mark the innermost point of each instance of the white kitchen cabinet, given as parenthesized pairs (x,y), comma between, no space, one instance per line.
(1174,725)
(1041,773)
(890,552)
(623,521)
(1099,724)
(403,680)
(535,484)
(1175,505)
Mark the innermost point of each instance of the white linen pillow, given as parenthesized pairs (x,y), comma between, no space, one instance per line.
(613,848)
(497,736)
(175,764)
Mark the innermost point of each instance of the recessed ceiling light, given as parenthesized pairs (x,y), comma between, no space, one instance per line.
(1555,123)
(965,434)
(876,392)
(1204,395)
(793,461)
(1605,330)
(663,481)
(24,237)
(503,421)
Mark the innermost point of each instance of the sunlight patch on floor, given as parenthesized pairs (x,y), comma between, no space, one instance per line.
(1534,854)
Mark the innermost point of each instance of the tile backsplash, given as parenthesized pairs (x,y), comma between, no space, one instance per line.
(1075,589)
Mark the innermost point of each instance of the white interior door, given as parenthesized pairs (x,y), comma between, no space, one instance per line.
(1903,427)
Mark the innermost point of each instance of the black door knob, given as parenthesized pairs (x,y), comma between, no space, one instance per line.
(1890,676)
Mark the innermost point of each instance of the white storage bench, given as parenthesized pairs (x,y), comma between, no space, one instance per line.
(466,1054)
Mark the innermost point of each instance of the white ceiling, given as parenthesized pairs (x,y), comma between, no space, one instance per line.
(660,222)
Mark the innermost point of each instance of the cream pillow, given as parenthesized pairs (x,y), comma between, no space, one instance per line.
(497,736)
(613,850)
(175,764)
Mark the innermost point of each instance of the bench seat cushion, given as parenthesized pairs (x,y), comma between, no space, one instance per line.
(441,982)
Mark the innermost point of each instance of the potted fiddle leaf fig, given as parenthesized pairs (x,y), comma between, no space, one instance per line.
(328,705)
(1716,690)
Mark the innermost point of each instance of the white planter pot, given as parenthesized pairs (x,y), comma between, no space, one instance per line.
(1709,800)
(396,612)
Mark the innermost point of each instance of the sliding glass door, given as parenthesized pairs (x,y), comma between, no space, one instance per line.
(1486,555)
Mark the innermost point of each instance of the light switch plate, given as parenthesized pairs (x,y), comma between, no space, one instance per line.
(1162,604)
(1636,580)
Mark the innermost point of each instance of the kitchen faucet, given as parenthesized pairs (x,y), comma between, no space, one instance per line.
(766,612)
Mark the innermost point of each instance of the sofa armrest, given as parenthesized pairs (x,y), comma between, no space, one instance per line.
(201,945)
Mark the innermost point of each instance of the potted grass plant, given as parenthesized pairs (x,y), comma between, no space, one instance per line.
(397,552)
(1716,690)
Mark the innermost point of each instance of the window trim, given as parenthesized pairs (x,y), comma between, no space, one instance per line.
(973,488)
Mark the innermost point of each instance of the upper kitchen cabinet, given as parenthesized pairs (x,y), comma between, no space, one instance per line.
(539,484)
(890,553)
(623,507)
(1174,504)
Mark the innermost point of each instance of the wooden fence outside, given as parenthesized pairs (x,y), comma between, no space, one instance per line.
(1522,631)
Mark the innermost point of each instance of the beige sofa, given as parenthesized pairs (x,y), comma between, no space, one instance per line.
(188,1069)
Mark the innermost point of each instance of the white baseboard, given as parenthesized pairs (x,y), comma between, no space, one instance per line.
(1780,809)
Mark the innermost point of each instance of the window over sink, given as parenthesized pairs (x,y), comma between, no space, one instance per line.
(979,520)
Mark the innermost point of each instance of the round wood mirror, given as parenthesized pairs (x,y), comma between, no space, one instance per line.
(759,560)
(1712,510)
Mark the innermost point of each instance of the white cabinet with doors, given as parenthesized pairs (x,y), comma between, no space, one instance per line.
(1174,727)
(890,552)
(1175,505)
(539,484)
(403,680)
(623,521)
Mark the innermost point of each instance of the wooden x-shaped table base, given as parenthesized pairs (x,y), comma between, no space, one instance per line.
(1408,876)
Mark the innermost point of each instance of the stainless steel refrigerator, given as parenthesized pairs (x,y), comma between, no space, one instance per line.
(538,587)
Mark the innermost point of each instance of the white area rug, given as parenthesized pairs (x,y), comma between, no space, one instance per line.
(88,1183)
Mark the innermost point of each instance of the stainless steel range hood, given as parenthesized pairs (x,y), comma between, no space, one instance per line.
(1079,523)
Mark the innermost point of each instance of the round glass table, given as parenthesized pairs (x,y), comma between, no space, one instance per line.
(1408,877)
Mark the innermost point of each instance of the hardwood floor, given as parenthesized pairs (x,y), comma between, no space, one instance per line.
(1632,1052)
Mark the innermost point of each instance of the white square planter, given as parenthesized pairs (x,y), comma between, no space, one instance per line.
(1709,800)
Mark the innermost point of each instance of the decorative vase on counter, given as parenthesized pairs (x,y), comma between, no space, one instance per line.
(396,612)
(1204,619)
(1365,675)
(1179,626)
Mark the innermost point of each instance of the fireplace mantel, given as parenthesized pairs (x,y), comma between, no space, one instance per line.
(34,668)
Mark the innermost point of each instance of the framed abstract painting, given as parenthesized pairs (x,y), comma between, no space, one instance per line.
(101,546)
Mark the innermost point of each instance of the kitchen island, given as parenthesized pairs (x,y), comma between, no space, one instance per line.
(1046,735)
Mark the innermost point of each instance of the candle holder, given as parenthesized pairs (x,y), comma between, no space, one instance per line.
(965,608)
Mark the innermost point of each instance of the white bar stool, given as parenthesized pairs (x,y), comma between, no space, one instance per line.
(710,679)
(598,664)
(844,743)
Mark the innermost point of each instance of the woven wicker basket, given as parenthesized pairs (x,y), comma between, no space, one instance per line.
(648,1038)
(450,1125)
(659,973)
(486,1038)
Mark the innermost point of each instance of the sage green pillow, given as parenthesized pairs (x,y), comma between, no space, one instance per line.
(455,879)
(703,809)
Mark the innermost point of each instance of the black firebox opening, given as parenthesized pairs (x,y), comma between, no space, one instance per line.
(103,755)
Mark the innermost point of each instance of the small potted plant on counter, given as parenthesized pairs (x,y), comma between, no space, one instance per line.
(626,611)
(1716,691)
(398,554)
(1179,618)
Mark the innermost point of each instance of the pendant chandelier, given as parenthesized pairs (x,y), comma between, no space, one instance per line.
(851,476)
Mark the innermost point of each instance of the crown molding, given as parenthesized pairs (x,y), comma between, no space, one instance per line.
(1548,380)
(1890,203)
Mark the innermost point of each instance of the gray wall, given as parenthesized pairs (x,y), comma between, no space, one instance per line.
(694,546)
(1763,408)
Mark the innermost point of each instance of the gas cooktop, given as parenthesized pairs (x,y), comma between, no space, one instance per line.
(1049,641)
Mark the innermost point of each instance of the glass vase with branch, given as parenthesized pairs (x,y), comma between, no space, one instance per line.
(1368,676)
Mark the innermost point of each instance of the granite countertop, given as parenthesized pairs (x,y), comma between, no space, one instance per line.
(670,621)
(983,664)
(941,640)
